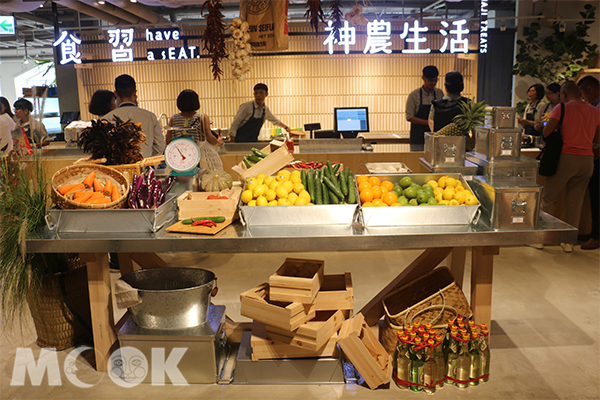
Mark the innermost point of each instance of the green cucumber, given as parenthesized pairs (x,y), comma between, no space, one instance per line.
(318,190)
(248,162)
(213,219)
(303,177)
(329,169)
(324,192)
(351,187)
(334,189)
(259,153)
(343,183)
(254,158)
(310,184)
(336,168)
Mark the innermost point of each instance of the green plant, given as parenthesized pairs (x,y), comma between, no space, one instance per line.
(559,56)
(24,201)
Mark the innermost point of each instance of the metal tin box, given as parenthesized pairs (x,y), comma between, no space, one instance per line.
(500,117)
(467,169)
(524,167)
(508,202)
(498,144)
(203,350)
(414,215)
(445,150)
(111,220)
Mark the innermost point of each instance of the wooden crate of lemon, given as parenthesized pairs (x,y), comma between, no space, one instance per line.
(416,199)
(291,203)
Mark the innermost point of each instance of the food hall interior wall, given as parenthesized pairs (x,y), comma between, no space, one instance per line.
(302,88)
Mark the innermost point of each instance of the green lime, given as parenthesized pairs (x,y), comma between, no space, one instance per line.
(410,192)
(427,186)
(432,201)
(403,200)
(413,202)
(422,196)
(415,185)
(405,182)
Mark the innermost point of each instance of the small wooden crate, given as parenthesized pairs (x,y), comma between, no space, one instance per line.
(263,348)
(297,280)
(195,204)
(336,293)
(364,351)
(278,158)
(288,316)
(313,334)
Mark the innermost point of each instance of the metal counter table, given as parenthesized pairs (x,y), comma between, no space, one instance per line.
(440,241)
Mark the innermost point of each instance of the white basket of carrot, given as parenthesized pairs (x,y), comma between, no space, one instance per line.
(89,186)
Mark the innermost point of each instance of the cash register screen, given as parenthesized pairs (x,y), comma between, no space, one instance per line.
(349,121)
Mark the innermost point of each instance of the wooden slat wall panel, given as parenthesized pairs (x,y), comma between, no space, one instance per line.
(302,88)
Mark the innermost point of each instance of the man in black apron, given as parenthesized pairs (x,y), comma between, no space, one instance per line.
(251,115)
(418,104)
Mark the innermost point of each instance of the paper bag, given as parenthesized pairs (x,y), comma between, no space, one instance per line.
(268,24)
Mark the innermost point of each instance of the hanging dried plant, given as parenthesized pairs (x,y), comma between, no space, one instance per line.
(118,142)
(214,35)
(314,14)
(336,18)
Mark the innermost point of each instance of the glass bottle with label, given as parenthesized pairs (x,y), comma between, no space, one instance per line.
(463,363)
(429,368)
(452,358)
(484,351)
(401,361)
(440,365)
(475,371)
(416,364)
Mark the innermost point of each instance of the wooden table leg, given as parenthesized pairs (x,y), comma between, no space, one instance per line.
(482,271)
(101,306)
(456,264)
(425,263)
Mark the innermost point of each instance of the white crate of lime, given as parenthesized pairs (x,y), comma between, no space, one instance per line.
(416,199)
(289,194)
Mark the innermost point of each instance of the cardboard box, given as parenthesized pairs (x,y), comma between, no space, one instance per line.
(195,204)
(288,316)
(263,348)
(312,335)
(336,293)
(296,280)
(278,158)
(365,352)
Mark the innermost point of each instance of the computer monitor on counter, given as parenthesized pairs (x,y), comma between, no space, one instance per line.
(350,121)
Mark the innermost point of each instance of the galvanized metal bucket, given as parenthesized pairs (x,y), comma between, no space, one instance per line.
(172,298)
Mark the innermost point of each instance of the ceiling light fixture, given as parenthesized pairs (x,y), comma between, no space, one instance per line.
(101,2)
(133,1)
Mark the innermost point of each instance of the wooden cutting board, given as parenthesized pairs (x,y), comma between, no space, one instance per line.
(204,230)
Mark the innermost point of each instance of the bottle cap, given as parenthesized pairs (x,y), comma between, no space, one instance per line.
(432,332)
(438,338)
(451,321)
(431,342)
(416,325)
(427,326)
(483,326)
(404,338)
(418,340)
(459,318)
(475,335)
(471,322)
(426,337)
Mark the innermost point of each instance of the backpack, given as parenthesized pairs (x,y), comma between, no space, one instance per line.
(445,111)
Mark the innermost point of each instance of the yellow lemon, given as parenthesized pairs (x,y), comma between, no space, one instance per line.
(261,201)
(269,179)
(296,176)
(395,205)
(438,197)
(247,196)
(283,176)
(471,199)
(260,181)
(261,176)
(443,203)
(252,203)
(305,194)
(461,197)
(288,186)
(459,187)
(251,184)
(298,187)
(448,193)
(438,190)
(259,190)
(272,203)
(273,185)
(292,197)
(433,184)
(270,195)
(442,181)
(281,192)
(451,182)
(453,203)
(300,201)
(283,202)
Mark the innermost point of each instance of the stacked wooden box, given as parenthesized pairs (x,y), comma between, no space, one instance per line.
(299,312)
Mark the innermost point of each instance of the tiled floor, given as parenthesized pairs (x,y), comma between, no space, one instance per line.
(545,330)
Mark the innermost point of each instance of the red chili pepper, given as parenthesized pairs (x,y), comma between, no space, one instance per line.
(216,197)
(204,222)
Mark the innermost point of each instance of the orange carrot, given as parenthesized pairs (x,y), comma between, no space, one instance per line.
(84,197)
(65,188)
(80,193)
(98,186)
(108,187)
(96,195)
(79,186)
(115,193)
(88,182)
(99,201)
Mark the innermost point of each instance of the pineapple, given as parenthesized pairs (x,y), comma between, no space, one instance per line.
(472,115)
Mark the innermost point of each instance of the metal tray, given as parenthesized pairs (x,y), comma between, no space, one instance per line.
(388,168)
(105,221)
(415,215)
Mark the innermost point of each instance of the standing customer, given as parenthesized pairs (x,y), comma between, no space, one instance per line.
(590,90)
(126,92)
(7,125)
(553,97)
(580,128)
(197,124)
(102,102)
(418,105)
(251,115)
(35,131)
(532,123)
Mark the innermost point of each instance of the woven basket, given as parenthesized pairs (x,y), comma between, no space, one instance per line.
(76,174)
(56,326)
(128,170)
(408,304)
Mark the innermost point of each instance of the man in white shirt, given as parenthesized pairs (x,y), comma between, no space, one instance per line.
(418,104)
(126,92)
(251,115)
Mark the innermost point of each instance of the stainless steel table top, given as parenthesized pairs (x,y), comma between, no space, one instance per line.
(237,238)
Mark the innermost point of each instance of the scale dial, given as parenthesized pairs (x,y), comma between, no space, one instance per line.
(182,155)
